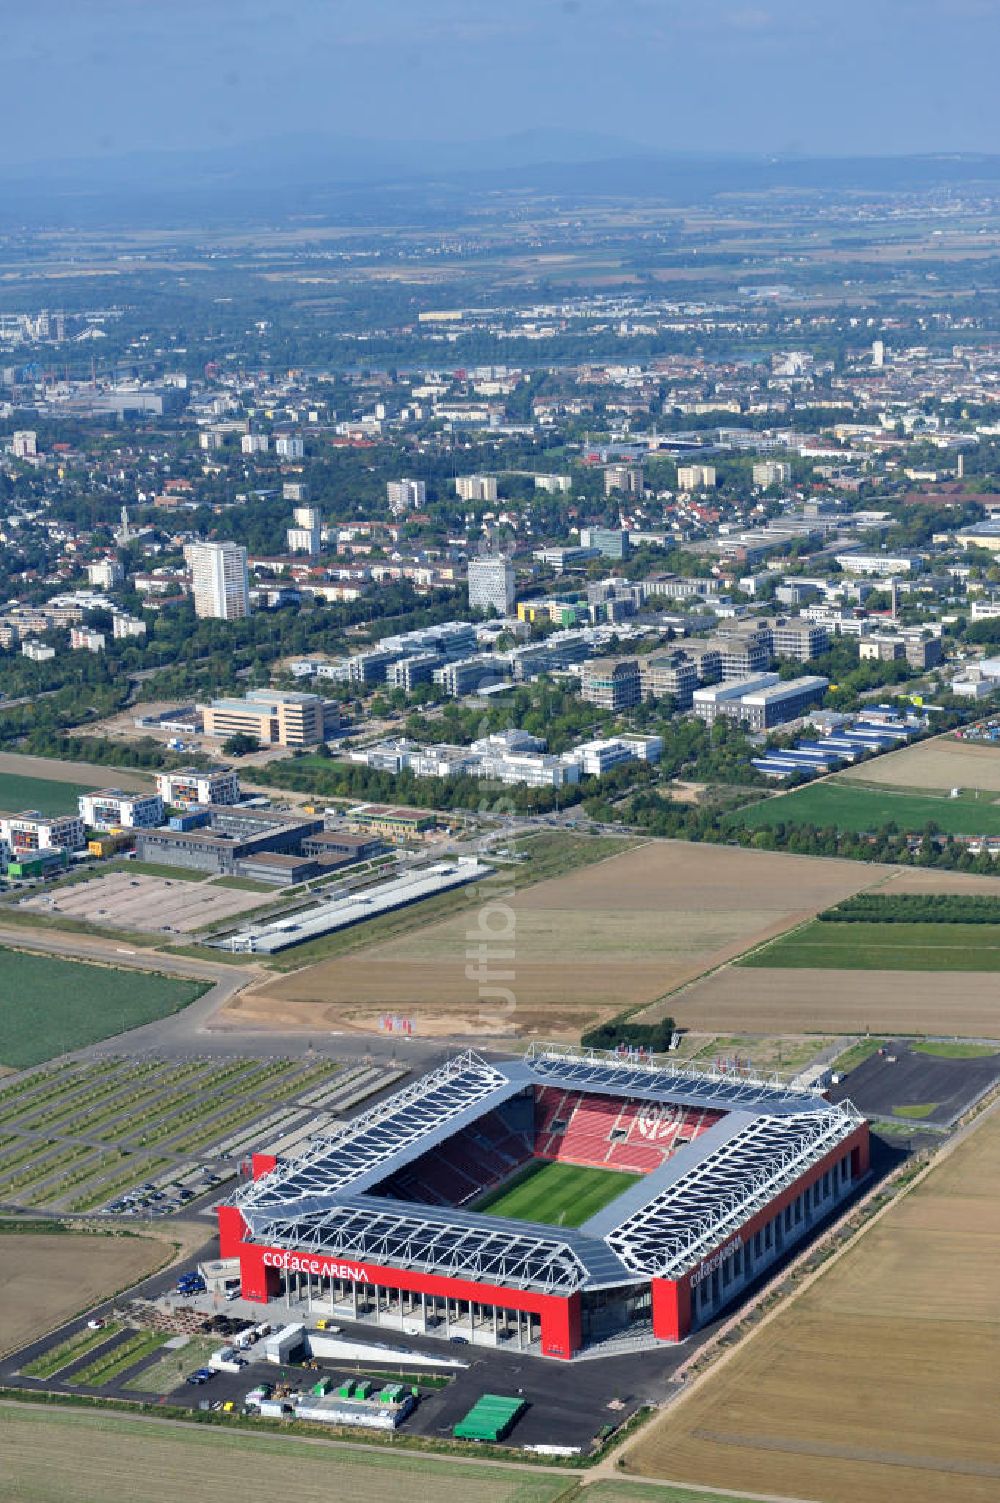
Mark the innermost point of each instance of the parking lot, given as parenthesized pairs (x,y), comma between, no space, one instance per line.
(904,1083)
(127,900)
(144,1137)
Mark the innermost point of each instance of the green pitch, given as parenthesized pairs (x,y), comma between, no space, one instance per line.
(556,1194)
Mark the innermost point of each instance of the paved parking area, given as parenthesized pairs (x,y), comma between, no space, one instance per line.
(900,1077)
(139,901)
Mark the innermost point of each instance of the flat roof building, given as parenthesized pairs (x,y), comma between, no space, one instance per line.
(112,809)
(274,717)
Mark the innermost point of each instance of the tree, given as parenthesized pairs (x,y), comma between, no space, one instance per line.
(240,745)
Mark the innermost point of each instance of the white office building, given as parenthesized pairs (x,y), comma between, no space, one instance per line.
(491,585)
(219,580)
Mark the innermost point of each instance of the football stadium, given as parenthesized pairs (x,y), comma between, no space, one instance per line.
(559,1202)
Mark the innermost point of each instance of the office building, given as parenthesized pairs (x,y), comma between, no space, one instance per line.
(612,542)
(672,673)
(760,701)
(274,717)
(612,683)
(491,585)
(219,580)
(228,837)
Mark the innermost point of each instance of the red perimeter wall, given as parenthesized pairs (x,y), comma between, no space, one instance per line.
(672,1297)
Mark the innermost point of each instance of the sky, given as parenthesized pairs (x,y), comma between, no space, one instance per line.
(99,78)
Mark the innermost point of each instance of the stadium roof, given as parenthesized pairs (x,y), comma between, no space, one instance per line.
(768,1135)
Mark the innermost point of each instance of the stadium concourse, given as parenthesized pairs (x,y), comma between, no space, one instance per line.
(701,1180)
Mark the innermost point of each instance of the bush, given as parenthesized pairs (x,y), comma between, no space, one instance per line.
(618,1031)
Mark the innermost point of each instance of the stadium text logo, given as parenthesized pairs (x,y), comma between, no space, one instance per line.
(327,1267)
(714,1262)
(656,1122)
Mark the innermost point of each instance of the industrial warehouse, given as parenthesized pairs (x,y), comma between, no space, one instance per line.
(430,1214)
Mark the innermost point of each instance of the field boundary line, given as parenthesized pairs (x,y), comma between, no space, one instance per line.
(789,1298)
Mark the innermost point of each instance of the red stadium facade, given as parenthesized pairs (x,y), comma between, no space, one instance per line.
(750,1172)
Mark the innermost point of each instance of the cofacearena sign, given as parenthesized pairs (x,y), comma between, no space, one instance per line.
(715,1261)
(326,1267)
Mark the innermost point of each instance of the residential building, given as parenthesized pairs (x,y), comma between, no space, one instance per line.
(187,785)
(406,495)
(304,535)
(768,472)
(32,831)
(105,573)
(82,639)
(743,651)
(38,652)
(491,585)
(254,443)
(555,485)
(123,627)
(219,580)
(476,487)
(24,444)
(626,478)
(112,809)
(695,477)
(273,717)
(612,683)
(287,446)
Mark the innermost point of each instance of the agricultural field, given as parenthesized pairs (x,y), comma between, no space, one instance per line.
(851,807)
(777,1002)
(568,950)
(877,1382)
(50,1006)
(941,764)
(20,774)
(557,1194)
(883,947)
(48,797)
(47,1277)
(67,1456)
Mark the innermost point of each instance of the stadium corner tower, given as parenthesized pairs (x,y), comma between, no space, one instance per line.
(398,1218)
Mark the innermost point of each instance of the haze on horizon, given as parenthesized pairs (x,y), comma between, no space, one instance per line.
(105,78)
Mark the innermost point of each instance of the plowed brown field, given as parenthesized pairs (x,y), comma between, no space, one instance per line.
(881,1381)
(583,946)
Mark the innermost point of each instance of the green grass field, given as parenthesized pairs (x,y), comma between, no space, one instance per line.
(850,808)
(50,1006)
(44,794)
(883,947)
(557,1194)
